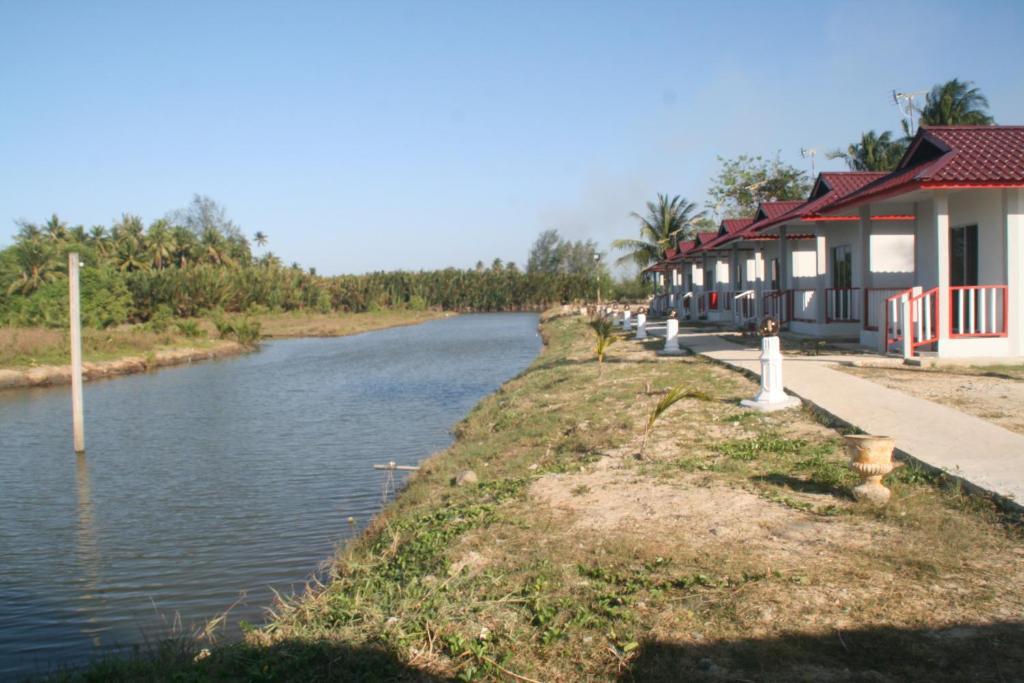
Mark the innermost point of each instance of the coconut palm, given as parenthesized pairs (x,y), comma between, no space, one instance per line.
(873,152)
(260,238)
(667,222)
(214,247)
(955,103)
(184,245)
(37,264)
(160,243)
(56,230)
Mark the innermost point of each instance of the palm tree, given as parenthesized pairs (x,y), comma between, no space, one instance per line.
(874,152)
(212,246)
(184,245)
(667,222)
(260,238)
(37,264)
(161,243)
(56,229)
(98,240)
(955,103)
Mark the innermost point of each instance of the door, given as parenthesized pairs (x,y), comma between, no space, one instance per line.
(841,299)
(963,272)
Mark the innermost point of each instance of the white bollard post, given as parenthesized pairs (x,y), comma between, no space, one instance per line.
(627,323)
(77,419)
(671,339)
(641,326)
(772,395)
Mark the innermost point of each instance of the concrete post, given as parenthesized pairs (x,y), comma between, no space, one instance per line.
(641,326)
(772,395)
(671,338)
(626,323)
(77,417)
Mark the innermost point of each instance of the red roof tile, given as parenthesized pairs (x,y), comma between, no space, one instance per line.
(951,156)
(829,188)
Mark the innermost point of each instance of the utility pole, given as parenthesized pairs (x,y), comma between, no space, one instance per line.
(77,420)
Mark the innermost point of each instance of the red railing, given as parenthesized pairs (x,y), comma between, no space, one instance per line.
(777,304)
(841,305)
(712,300)
(923,325)
(978,311)
(702,306)
(874,305)
(746,305)
(804,305)
(726,297)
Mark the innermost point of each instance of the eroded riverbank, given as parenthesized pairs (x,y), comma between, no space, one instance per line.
(131,350)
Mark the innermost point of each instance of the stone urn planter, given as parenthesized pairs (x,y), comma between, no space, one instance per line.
(871,458)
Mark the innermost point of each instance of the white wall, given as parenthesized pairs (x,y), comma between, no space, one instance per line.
(983,208)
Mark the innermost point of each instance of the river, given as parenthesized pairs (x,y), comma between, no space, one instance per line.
(204,487)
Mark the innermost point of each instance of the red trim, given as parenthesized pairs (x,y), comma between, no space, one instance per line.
(966,186)
(867,296)
(894,217)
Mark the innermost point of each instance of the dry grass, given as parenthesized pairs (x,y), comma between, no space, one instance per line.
(732,551)
(303,324)
(25,347)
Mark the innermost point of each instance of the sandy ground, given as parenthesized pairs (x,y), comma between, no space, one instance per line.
(996,399)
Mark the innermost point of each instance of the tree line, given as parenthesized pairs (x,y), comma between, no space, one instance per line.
(196,261)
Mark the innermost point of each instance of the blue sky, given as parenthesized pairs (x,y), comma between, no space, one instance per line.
(364,136)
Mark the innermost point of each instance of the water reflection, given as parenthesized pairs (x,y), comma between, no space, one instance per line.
(87,549)
(208,482)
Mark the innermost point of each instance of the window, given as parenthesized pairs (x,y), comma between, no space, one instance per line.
(842,267)
(963,256)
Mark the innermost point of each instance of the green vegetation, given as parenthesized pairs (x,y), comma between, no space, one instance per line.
(953,103)
(197,262)
(731,552)
(668,222)
(604,331)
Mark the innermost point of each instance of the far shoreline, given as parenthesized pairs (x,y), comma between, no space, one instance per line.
(185,351)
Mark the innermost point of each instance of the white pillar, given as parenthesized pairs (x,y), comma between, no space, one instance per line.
(1014,212)
(625,319)
(772,395)
(671,338)
(784,259)
(641,326)
(77,418)
(942,254)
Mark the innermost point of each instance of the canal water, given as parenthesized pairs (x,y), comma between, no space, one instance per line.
(206,486)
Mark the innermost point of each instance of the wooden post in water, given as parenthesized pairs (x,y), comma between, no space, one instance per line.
(77,420)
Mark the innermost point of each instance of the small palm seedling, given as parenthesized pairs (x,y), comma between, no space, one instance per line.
(673,396)
(604,331)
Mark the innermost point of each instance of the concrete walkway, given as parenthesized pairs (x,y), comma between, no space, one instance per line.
(984,454)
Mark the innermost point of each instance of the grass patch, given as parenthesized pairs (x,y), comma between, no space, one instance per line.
(732,551)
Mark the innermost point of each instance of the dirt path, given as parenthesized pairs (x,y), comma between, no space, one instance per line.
(996,399)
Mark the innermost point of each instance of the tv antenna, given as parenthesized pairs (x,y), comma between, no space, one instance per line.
(905,102)
(809,153)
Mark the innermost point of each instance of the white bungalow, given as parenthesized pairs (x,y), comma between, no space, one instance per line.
(957,198)
(924,261)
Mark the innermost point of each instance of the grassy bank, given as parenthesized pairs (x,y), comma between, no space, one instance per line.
(27,347)
(730,550)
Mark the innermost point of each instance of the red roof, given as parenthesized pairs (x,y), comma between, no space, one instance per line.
(736,228)
(829,188)
(951,157)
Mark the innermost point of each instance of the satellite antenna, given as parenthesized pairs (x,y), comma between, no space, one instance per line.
(905,102)
(808,153)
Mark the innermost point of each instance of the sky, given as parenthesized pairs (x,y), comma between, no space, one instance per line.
(418,135)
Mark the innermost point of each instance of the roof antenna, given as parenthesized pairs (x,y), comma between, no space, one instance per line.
(809,152)
(905,102)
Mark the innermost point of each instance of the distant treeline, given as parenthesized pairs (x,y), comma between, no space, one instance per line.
(197,262)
